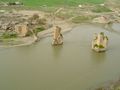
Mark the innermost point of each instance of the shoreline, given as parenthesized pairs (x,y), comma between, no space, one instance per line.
(30,40)
(48,33)
(65,23)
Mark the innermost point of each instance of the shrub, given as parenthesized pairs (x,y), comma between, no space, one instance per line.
(39,29)
(6,35)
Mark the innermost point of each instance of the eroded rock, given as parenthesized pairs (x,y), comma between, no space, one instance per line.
(57,36)
(100,42)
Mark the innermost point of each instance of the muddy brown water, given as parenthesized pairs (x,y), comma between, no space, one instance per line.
(72,66)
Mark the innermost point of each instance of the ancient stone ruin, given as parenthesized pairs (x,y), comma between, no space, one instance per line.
(21,30)
(57,36)
(100,42)
(22,25)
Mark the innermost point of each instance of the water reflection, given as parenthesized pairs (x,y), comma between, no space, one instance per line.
(57,51)
(98,57)
(77,67)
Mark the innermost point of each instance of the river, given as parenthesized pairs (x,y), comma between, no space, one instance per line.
(72,66)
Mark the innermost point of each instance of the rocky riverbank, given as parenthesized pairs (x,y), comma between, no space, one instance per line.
(25,27)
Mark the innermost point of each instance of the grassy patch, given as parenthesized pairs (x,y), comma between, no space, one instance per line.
(100,9)
(7,35)
(37,30)
(11,41)
(82,19)
(35,3)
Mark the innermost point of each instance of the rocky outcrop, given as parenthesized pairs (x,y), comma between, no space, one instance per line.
(57,36)
(100,42)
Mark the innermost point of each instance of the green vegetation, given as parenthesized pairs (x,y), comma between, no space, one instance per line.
(7,35)
(100,9)
(99,46)
(35,31)
(8,38)
(38,30)
(81,19)
(35,3)
(10,41)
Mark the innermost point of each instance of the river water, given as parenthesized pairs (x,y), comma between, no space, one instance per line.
(72,66)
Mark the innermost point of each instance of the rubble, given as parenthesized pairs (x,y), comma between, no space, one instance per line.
(21,23)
